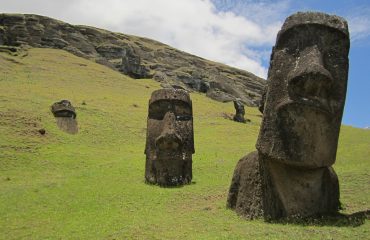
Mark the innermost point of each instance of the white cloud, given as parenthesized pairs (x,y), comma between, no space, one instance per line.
(359,26)
(261,11)
(193,26)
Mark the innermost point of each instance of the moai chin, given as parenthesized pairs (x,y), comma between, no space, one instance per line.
(290,175)
(170,138)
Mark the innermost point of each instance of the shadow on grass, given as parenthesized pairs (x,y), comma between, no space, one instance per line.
(338,220)
(170,186)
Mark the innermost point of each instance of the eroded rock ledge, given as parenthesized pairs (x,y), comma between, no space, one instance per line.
(137,57)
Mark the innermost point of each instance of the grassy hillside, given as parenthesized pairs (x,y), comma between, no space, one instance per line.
(91,185)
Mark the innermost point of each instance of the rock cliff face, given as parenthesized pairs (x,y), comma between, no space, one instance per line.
(134,56)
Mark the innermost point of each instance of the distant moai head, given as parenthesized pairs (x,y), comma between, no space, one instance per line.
(65,115)
(239,111)
(170,138)
(63,108)
(239,106)
(306,92)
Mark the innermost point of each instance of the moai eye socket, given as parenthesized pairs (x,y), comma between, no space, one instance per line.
(182,111)
(158,109)
(183,117)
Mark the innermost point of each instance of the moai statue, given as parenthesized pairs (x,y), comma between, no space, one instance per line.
(239,111)
(65,114)
(170,138)
(290,174)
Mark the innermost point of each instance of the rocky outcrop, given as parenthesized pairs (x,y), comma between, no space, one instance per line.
(134,56)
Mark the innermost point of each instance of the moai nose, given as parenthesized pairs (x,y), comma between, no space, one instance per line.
(169,139)
(310,78)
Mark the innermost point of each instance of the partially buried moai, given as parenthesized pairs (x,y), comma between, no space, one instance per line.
(65,115)
(170,138)
(290,174)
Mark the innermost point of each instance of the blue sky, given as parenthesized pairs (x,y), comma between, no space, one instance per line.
(357,13)
(239,33)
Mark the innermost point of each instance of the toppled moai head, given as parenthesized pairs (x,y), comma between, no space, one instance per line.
(170,138)
(306,93)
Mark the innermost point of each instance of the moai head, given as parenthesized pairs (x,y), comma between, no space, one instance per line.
(239,111)
(65,115)
(239,107)
(170,138)
(63,108)
(306,93)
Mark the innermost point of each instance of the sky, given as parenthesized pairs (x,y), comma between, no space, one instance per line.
(239,33)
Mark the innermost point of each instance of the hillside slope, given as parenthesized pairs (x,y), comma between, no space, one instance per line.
(91,185)
(134,56)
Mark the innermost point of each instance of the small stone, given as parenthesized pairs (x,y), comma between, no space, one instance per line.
(42,131)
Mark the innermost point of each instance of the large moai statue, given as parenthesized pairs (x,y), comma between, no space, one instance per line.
(290,174)
(170,138)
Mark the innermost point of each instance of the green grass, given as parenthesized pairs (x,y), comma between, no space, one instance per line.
(91,185)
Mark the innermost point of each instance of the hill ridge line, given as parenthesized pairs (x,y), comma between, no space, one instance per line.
(137,57)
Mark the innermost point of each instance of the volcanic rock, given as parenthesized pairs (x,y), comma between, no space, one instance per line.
(137,57)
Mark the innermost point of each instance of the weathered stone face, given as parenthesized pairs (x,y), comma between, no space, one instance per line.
(290,176)
(170,138)
(306,92)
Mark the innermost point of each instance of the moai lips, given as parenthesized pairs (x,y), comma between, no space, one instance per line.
(170,138)
(290,175)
